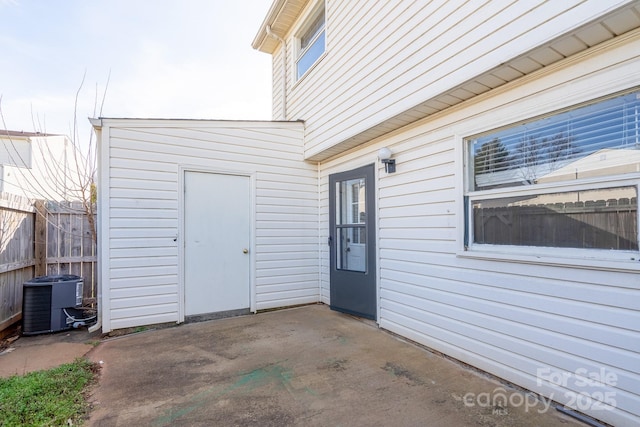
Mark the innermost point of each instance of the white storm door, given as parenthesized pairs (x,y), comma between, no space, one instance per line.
(217,228)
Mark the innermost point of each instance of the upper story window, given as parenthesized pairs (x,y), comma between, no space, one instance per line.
(311,41)
(569,180)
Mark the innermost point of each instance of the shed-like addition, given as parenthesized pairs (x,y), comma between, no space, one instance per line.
(199,217)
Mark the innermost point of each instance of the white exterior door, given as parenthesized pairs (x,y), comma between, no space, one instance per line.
(217,215)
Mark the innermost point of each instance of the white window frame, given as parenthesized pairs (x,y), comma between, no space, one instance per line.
(575,257)
(320,7)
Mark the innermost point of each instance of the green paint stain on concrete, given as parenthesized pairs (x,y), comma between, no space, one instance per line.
(268,375)
(310,391)
(247,382)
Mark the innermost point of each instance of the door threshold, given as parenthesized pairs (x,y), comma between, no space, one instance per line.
(217,315)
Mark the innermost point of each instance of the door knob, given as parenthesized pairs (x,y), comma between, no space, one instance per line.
(245,251)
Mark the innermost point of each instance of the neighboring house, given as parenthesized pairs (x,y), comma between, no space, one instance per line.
(207,218)
(37,166)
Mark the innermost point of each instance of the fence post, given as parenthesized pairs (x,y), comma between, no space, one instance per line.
(41,238)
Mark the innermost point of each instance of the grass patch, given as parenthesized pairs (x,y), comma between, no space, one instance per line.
(46,398)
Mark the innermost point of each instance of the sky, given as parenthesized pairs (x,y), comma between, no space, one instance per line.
(161,59)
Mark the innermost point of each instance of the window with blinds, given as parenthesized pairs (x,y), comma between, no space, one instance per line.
(566,180)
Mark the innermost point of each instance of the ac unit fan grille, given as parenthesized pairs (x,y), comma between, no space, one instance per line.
(36,309)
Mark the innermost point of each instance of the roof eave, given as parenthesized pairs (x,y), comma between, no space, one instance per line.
(261,39)
(281,16)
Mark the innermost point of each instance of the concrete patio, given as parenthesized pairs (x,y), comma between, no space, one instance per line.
(305,366)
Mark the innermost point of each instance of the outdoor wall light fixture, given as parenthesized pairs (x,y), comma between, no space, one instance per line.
(384,154)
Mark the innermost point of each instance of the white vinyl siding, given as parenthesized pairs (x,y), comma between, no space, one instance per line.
(514,316)
(365,79)
(142,273)
(277,86)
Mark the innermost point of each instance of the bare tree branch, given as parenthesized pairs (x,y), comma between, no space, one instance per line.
(70,171)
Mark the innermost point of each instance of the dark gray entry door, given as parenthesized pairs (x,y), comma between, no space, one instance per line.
(352,242)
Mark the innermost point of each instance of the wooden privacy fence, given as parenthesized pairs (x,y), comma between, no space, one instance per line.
(17,260)
(45,238)
(69,244)
(601,224)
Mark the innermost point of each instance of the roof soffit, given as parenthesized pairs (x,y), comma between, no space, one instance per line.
(280,18)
